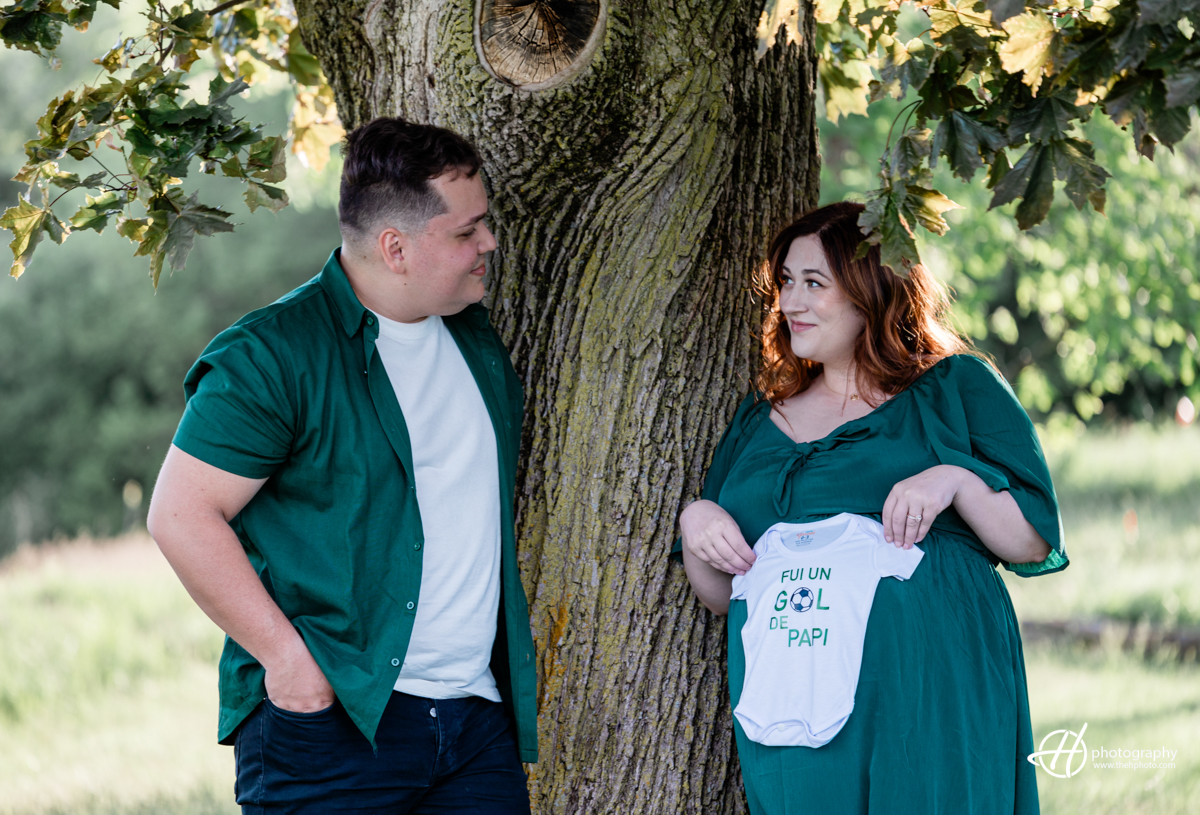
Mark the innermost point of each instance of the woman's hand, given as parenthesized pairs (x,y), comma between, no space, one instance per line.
(713,551)
(711,535)
(914,503)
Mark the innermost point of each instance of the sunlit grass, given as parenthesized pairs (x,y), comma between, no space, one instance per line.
(1127,704)
(107,688)
(1131,511)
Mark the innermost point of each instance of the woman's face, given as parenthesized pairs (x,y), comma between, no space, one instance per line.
(823,321)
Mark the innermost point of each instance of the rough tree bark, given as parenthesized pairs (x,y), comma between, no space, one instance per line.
(631,205)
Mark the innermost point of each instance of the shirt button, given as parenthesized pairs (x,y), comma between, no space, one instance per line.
(411,605)
(370,321)
(417,546)
(395,662)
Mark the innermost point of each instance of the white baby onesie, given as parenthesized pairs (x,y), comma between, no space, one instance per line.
(808,597)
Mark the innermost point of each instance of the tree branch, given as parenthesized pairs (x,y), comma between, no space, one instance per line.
(226,6)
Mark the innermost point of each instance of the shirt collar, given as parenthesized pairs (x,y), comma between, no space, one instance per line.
(351,311)
(345,302)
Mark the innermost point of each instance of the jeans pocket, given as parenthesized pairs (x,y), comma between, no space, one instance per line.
(248,759)
(296,715)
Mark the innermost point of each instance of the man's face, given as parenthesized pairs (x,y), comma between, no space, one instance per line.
(444,264)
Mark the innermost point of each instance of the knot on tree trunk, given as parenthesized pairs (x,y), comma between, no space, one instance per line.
(538,44)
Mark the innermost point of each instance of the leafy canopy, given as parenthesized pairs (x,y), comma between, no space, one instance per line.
(994,78)
(140,128)
(1006,83)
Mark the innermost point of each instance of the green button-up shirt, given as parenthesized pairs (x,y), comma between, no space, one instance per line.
(297,394)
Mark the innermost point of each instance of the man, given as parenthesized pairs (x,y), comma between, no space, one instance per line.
(338,499)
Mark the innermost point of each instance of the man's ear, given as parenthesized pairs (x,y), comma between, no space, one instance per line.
(393,246)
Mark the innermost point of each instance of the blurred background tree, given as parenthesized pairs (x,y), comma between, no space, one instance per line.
(1087,315)
(91,358)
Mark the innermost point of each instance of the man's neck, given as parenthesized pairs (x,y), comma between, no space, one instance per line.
(377,289)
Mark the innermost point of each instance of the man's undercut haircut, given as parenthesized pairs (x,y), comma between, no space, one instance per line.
(388,165)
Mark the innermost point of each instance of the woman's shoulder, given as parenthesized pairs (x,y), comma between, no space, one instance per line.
(971,378)
(969,370)
(750,411)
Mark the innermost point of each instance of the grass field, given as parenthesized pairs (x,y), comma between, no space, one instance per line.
(107,686)
(108,680)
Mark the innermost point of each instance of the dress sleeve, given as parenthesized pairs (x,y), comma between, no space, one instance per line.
(748,414)
(239,416)
(973,420)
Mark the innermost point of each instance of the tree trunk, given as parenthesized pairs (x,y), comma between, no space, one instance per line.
(631,204)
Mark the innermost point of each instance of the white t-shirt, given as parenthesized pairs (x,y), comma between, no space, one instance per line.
(808,596)
(458,492)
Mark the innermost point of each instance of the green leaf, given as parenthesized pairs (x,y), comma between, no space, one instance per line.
(260,195)
(1084,177)
(268,160)
(194,24)
(302,65)
(169,113)
(1170,125)
(25,222)
(1046,118)
(886,228)
(1032,179)
(998,171)
(245,20)
(150,242)
(960,30)
(55,228)
(95,212)
(966,142)
(24,26)
(132,228)
(909,153)
(845,83)
(926,207)
(1003,10)
(220,91)
(183,226)
(904,65)
(1183,88)
(232,168)
(897,246)
(1163,12)
(1030,47)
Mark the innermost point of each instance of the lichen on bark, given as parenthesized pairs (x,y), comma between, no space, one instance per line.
(631,206)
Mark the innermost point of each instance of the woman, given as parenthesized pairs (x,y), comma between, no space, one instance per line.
(868,403)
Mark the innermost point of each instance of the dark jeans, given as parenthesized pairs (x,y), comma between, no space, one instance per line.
(434,756)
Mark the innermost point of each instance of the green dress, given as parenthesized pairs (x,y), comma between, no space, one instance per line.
(941,715)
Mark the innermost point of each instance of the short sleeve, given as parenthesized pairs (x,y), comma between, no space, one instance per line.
(895,561)
(975,421)
(238,416)
(747,417)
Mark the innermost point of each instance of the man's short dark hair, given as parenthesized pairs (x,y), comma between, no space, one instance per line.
(388,164)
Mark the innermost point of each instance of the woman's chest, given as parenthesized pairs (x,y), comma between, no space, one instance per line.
(815,414)
(851,470)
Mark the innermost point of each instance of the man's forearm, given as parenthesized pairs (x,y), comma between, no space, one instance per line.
(189,519)
(210,562)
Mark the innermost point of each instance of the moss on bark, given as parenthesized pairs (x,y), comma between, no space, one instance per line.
(631,206)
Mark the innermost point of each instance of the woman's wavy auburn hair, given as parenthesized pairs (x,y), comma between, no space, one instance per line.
(906,331)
